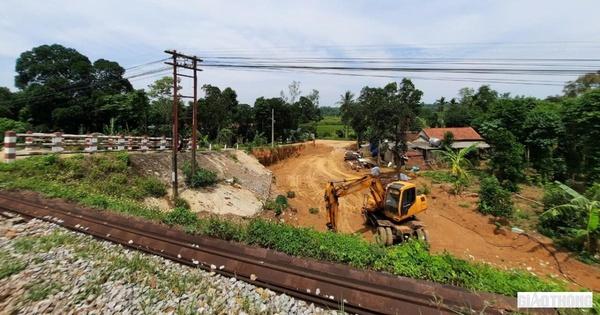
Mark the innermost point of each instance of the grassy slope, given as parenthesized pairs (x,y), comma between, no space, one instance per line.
(326,128)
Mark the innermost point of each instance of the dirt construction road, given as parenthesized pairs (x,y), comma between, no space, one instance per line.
(454,224)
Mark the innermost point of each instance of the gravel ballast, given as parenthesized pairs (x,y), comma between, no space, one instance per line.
(46,269)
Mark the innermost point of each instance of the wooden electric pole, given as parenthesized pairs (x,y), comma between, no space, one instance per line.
(180,61)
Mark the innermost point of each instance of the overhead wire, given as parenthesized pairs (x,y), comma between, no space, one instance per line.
(388,61)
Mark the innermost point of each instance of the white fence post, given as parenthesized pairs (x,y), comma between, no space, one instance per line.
(28,141)
(163,143)
(144,144)
(57,142)
(121,145)
(94,144)
(10,146)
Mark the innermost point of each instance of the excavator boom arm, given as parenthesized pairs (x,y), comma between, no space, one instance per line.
(343,187)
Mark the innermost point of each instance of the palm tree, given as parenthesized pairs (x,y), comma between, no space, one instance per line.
(579,206)
(457,161)
(346,101)
(441,108)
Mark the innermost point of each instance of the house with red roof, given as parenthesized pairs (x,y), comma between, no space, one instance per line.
(429,140)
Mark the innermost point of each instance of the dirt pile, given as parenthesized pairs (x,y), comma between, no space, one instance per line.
(268,157)
(253,181)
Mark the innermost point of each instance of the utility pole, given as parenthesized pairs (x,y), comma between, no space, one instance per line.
(272,127)
(180,61)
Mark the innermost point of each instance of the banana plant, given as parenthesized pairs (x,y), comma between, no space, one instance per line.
(457,161)
(579,205)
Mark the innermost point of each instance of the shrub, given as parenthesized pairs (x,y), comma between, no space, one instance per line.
(291,194)
(425,190)
(313,210)
(153,186)
(202,178)
(220,228)
(269,204)
(554,196)
(552,226)
(493,199)
(281,204)
(124,158)
(7,124)
(282,200)
(439,176)
(181,216)
(181,203)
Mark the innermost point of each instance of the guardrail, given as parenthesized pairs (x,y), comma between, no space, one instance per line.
(59,143)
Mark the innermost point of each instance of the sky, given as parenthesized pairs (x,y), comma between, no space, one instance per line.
(514,38)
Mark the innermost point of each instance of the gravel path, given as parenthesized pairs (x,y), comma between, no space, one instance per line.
(46,269)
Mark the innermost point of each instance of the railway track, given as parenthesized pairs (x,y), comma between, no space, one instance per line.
(331,285)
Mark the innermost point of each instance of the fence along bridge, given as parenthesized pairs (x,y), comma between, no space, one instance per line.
(59,143)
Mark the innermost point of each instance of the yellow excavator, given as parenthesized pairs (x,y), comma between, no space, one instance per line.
(391,210)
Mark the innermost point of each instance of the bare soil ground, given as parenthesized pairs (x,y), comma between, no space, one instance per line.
(454,224)
(244,198)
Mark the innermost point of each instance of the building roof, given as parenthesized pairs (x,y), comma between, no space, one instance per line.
(411,136)
(460,133)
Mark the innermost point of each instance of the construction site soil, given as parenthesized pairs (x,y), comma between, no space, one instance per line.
(455,226)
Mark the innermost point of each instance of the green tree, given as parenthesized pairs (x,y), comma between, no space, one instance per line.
(308,110)
(458,115)
(161,112)
(56,82)
(466,97)
(63,90)
(493,199)
(293,93)
(8,106)
(405,107)
(243,123)
(441,106)
(484,98)
(582,84)
(506,159)
(128,112)
(346,101)
(511,113)
(581,206)
(543,131)
(583,119)
(448,139)
(285,120)
(356,116)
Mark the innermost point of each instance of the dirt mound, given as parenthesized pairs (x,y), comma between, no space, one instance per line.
(268,157)
(253,181)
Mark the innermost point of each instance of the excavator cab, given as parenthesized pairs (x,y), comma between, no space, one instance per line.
(399,201)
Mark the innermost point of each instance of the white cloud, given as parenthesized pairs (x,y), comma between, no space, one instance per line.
(136,32)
